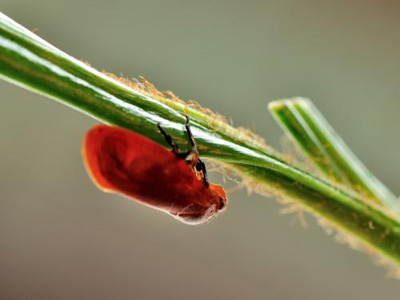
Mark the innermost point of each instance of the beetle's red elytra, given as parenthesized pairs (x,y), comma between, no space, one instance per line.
(123,162)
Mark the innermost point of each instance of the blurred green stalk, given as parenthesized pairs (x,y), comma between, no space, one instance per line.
(32,63)
(319,142)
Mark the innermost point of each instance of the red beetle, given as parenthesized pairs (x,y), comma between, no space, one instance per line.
(123,162)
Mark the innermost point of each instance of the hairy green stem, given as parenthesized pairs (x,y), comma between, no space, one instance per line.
(32,63)
(309,129)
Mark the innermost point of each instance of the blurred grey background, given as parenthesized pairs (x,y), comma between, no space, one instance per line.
(62,238)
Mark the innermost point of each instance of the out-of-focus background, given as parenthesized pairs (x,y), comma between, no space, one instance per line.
(62,238)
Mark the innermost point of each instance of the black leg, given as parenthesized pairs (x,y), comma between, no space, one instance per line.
(190,135)
(169,139)
(185,154)
(195,161)
(199,164)
(201,167)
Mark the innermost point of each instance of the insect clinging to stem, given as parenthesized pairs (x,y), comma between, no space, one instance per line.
(123,162)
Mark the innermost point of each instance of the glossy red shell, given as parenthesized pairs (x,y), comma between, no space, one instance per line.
(123,162)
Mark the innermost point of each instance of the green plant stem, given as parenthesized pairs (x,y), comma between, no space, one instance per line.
(30,62)
(316,138)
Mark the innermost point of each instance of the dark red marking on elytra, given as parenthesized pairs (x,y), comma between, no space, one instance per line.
(123,162)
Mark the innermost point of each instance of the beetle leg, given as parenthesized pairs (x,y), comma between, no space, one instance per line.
(201,167)
(196,162)
(193,150)
(190,135)
(169,139)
